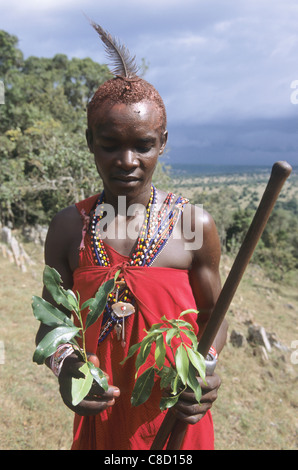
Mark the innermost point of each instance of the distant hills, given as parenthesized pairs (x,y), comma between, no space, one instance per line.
(193,169)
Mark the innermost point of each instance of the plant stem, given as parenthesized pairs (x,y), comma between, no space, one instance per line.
(83,335)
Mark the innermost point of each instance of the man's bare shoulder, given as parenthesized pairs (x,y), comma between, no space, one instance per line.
(196,217)
(202,231)
(68,215)
(66,223)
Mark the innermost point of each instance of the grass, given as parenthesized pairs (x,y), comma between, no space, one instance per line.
(257,403)
(32,414)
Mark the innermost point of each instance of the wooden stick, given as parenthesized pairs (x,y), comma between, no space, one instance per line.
(164,431)
(279,174)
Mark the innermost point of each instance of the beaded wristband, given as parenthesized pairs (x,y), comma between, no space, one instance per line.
(212,353)
(57,359)
(211,361)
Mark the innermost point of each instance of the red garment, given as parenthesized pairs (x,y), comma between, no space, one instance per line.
(158,291)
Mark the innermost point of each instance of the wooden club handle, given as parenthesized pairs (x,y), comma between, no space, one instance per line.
(280,172)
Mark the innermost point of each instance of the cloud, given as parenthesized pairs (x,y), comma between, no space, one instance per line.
(213,62)
(254,142)
(224,68)
(234,69)
(36,5)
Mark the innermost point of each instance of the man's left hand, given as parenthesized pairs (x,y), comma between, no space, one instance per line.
(188,409)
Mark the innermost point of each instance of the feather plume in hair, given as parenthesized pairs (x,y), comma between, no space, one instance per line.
(123,63)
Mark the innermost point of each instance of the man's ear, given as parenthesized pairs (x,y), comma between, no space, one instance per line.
(164,139)
(89,138)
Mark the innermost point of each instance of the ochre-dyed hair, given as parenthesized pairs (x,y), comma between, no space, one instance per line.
(127,91)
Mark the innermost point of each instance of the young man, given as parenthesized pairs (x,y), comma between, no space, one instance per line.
(163,271)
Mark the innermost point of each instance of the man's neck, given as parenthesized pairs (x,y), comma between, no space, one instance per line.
(122,203)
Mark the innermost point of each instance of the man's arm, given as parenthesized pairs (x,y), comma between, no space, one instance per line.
(205,278)
(57,245)
(62,252)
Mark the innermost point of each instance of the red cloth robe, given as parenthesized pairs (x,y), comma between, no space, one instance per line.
(158,291)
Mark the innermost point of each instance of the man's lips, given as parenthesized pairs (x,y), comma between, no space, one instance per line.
(126,179)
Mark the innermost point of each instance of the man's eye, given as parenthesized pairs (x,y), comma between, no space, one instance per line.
(110,148)
(144,149)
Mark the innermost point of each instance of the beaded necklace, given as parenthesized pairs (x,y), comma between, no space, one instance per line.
(100,255)
(153,236)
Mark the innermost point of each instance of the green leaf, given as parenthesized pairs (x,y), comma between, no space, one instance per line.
(190,310)
(191,335)
(193,383)
(160,352)
(168,402)
(184,323)
(167,375)
(171,321)
(143,387)
(132,350)
(48,314)
(182,363)
(154,332)
(155,326)
(71,299)
(52,281)
(171,333)
(165,319)
(50,342)
(98,375)
(144,351)
(80,387)
(87,303)
(176,383)
(96,307)
(198,362)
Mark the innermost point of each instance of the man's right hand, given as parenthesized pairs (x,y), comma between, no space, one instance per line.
(97,400)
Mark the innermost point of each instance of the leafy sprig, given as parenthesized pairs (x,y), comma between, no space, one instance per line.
(184,365)
(63,329)
(188,362)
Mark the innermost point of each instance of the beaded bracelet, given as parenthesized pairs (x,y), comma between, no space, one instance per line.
(212,353)
(57,359)
(211,360)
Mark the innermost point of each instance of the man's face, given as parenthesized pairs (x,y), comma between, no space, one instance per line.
(126,140)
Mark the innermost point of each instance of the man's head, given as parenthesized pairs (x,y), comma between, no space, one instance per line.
(126,139)
(126,91)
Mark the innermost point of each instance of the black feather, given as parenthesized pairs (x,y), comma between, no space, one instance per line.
(122,62)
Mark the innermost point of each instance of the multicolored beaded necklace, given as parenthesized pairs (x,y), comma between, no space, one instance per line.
(156,230)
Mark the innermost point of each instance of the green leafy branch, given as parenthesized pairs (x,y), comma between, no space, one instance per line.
(63,329)
(188,362)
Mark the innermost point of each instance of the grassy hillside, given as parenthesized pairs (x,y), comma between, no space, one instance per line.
(257,403)
(31,412)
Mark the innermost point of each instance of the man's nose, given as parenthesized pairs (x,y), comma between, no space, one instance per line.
(127,160)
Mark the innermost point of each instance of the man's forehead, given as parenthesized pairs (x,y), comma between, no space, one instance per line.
(109,114)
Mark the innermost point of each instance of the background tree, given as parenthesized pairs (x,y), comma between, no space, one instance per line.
(45,161)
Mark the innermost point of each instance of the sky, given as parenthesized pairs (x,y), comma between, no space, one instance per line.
(226,69)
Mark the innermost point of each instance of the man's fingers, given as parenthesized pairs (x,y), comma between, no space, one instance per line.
(213,384)
(94,359)
(97,391)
